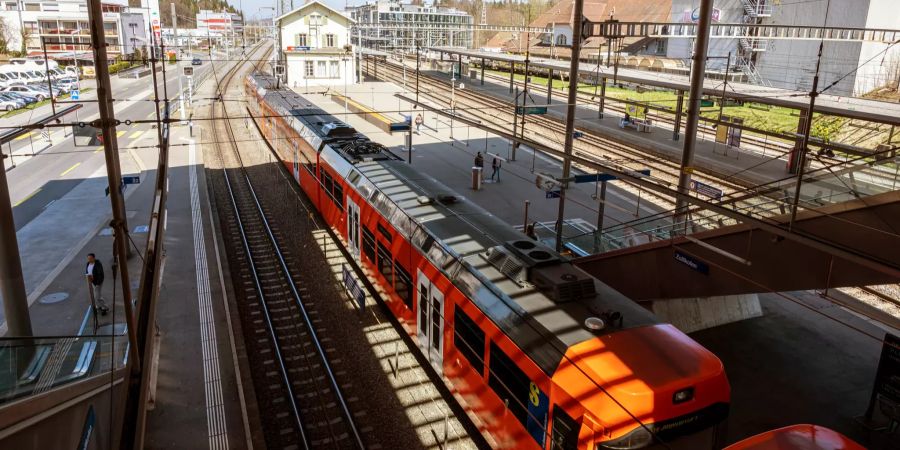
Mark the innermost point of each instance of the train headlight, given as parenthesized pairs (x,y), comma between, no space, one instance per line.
(639,438)
(683,395)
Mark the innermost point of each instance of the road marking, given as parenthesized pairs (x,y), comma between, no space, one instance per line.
(99,149)
(26,198)
(212,374)
(137,134)
(24,136)
(120,133)
(70,169)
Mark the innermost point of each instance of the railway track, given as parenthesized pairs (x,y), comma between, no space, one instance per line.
(591,147)
(300,400)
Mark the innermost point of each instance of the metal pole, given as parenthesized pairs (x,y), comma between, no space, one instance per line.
(602,98)
(515,144)
(47,74)
(679,106)
(107,126)
(549,85)
(12,282)
(602,208)
(724,86)
(525,224)
(177,49)
(418,58)
(577,32)
(804,142)
(698,71)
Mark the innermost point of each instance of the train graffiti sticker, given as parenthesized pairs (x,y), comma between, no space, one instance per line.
(538,406)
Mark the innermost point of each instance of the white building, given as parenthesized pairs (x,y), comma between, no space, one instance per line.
(315,42)
(63,26)
(856,67)
(217,24)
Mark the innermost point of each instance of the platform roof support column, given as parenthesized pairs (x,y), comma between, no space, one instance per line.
(602,98)
(698,72)
(482,71)
(512,73)
(549,86)
(12,282)
(679,108)
(794,158)
(577,33)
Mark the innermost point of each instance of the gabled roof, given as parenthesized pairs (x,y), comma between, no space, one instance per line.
(314,2)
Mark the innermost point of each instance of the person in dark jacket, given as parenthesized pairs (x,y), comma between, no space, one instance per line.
(94,272)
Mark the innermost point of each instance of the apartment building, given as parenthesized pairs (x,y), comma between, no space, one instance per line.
(216,24)
(390,25)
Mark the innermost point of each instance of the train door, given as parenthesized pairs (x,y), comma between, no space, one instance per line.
(430,326)
(353,227)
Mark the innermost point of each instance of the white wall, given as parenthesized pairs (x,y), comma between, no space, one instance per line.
(329,67)
(327,75)
(879,64)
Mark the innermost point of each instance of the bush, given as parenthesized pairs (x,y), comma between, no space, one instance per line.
(118,67)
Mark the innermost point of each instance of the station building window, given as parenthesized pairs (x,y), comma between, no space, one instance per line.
(308,69)
(300,40)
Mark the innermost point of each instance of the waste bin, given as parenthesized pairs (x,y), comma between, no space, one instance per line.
(476,178)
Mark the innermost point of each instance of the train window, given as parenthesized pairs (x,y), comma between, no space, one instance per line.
(384,232)
(565,431)
(327,183)
(469,339)
(509,383)
(339,196)
(368,244)
(402,223)
(403,285)
(385,266)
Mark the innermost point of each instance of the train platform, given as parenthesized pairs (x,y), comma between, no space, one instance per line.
(740,165)
(774,362)
(197,399)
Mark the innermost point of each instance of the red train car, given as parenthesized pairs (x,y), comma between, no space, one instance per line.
(797,437)
(543,354)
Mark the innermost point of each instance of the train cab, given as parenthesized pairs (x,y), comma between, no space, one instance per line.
(797,437)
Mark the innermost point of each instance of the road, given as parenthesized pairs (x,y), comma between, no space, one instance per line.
(37,181)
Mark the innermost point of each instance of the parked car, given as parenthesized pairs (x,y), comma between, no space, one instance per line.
(39,94)
(17,102)
(28,99)
(8,105)
(61,88)
(42,87)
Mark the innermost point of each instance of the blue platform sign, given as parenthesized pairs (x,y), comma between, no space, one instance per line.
(595,177)
(705,189)
(552,194)
(538,406)
(353,287)
(692,262)
(75,94)
(400,126)
(131,179)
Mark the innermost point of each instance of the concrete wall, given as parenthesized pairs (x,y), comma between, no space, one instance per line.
(879,63)
(730,11)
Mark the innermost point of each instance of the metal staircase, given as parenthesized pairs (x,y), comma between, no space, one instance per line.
(754,12)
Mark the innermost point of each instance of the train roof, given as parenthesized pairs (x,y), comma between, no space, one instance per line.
(514,280)
(465,238)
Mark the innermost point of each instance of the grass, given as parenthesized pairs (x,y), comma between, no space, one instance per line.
(766,118)
(32,106)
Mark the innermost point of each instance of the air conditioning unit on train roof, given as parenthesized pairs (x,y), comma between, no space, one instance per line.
(563,282)
(532,253)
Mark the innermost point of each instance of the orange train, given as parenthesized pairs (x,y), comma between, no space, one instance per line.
(797,437)
(544,355)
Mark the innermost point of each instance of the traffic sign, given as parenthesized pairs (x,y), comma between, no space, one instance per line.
(552,194)
(705,189)
(75,94)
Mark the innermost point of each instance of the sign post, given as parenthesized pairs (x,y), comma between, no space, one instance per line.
(887,378)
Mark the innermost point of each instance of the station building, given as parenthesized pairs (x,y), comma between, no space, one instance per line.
(389,25)
(315,42)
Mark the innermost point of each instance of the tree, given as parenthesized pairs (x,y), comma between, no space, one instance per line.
(4,36)
(26,33)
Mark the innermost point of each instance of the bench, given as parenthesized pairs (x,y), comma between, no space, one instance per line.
(642,125)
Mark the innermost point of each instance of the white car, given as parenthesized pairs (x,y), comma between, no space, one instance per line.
(27,90)
(8,105)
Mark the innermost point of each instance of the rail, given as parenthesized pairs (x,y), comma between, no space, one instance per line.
(295,294)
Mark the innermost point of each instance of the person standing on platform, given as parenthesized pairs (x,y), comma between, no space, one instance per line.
(495,168)
(94,272)
(419,121)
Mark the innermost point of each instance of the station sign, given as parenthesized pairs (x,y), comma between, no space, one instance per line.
(604,177)
(400,126)
(706,190)
(887,377)
(531,109)
(353,288)
(692,262)
(75,94)
(552,194)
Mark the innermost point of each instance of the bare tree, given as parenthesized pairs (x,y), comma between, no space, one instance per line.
(4,36)
(26,33)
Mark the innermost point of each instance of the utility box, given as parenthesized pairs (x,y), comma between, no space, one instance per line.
(476,178)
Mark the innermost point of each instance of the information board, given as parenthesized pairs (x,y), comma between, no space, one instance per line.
(887,378)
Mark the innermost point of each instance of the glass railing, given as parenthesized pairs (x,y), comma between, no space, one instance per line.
(31,366)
